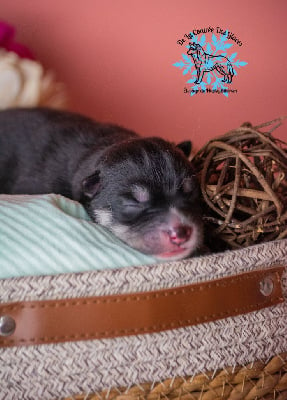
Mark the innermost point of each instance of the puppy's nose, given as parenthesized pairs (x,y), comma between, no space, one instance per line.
(180,234)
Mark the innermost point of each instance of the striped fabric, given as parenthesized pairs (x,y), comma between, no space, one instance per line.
(49,234)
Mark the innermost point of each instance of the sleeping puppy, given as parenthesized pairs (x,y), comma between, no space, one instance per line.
(144,190)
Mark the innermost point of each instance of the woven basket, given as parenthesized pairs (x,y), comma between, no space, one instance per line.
(258,380)
(240,356)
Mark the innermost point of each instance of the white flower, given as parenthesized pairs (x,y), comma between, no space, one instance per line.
(24,83)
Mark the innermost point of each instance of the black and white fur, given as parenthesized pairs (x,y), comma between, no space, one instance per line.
(144,190)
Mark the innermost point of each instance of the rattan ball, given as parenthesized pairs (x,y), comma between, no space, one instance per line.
(243,179)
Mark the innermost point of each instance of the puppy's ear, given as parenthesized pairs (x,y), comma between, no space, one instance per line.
(185,147)
(91,185)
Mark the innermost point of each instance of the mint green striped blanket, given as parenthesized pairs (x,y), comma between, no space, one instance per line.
(50,234)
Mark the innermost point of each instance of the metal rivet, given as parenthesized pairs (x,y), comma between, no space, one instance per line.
(7,325)
(266,286)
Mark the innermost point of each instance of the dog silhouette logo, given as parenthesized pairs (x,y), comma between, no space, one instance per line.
(208,62)
(205,62)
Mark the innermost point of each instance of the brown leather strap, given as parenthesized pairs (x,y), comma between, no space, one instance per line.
(132,314)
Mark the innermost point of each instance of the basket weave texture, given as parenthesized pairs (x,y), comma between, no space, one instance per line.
(255,381)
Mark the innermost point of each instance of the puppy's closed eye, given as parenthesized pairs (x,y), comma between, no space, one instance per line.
(189,190)
(131,208)
(134,202)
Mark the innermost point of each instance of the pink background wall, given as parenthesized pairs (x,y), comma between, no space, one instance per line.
(116,57)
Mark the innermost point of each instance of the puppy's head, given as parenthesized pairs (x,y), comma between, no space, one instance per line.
(146,193)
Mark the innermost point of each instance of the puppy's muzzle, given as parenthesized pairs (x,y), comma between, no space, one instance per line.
(180,234)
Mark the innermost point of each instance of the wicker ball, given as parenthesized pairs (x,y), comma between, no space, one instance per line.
(243,178)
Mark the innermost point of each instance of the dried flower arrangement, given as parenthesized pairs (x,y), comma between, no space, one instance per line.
(23,81)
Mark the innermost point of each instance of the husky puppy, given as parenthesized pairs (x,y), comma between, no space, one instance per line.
(144,190)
